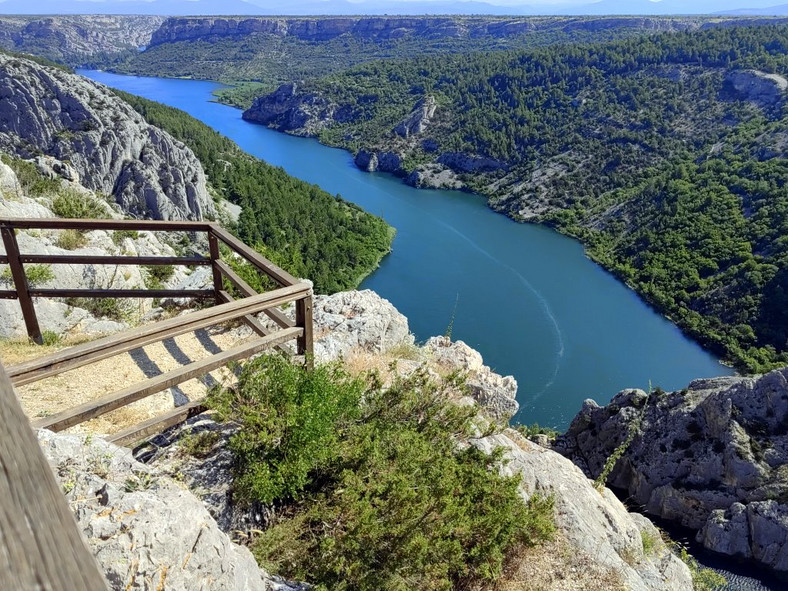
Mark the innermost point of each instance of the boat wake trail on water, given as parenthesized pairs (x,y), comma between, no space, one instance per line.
(537,294)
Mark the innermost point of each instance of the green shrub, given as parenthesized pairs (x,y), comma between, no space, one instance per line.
(50,337)
(32,182)
(292,423)
(73,204)
(536,429)
(36,274)
(374,492)
(156,275)
(118,236)
(100,307)
(71,239)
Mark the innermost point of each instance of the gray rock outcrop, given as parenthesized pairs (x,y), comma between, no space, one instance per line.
(418,119)
(146,531)
(383,161)
(493,392)
(381,28)
(594,522)
(460,162)
(107,144)
(712,457)
(357,320)
(752,85)
(71,38)
(299,113)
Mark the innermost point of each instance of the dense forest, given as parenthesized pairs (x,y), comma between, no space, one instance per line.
(299,226)
(649,149)
(258,62)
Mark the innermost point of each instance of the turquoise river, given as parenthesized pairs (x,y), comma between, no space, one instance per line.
(526,297)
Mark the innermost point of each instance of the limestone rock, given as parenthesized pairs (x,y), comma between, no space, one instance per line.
(109,147)
(352,320)
(416,122)
(433,176)
(70,38)
(460,162)
(366,160)
(305,114)
(711,457)
(495,393)
(144,529)
(597,523)
(752,85)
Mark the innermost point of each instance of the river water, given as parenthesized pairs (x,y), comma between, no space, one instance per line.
(524,296)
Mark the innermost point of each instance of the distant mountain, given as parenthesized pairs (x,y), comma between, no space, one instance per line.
(379,7)
(780,10)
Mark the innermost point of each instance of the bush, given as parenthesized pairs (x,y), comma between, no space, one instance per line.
(32,182)
(374,492)
(73,204)
(156,275)
(71,239)
(100,307)
(118,236)
(292,424)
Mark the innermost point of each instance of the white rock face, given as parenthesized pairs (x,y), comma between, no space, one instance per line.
(362,320)
(146,531)
(595,522)
(107,145)
(494,392)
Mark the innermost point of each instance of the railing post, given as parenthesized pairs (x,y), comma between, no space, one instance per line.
(213,249)
(305,344)
(20,283)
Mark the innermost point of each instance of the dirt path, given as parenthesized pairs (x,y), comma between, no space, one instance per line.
(97,379)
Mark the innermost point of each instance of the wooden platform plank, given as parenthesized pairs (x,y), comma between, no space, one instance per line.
(79,355)
(156,424)
(94,408)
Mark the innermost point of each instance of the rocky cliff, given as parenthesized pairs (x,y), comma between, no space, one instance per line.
(98,140)
(382,28)
(711,457)
(72,39)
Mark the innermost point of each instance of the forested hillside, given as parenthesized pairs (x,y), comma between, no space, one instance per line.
(267,51)
(663,153)
(299,226)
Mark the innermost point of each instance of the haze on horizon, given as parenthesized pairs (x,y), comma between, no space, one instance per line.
(403,7)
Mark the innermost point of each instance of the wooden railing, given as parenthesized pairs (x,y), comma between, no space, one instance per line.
(227,308)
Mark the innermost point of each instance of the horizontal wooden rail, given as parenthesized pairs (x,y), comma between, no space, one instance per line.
(79,355)
(157,424)
(247,291)
(115,400)
(255,258)
(122,293)
(7,294)
(93,224)
(82,259)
